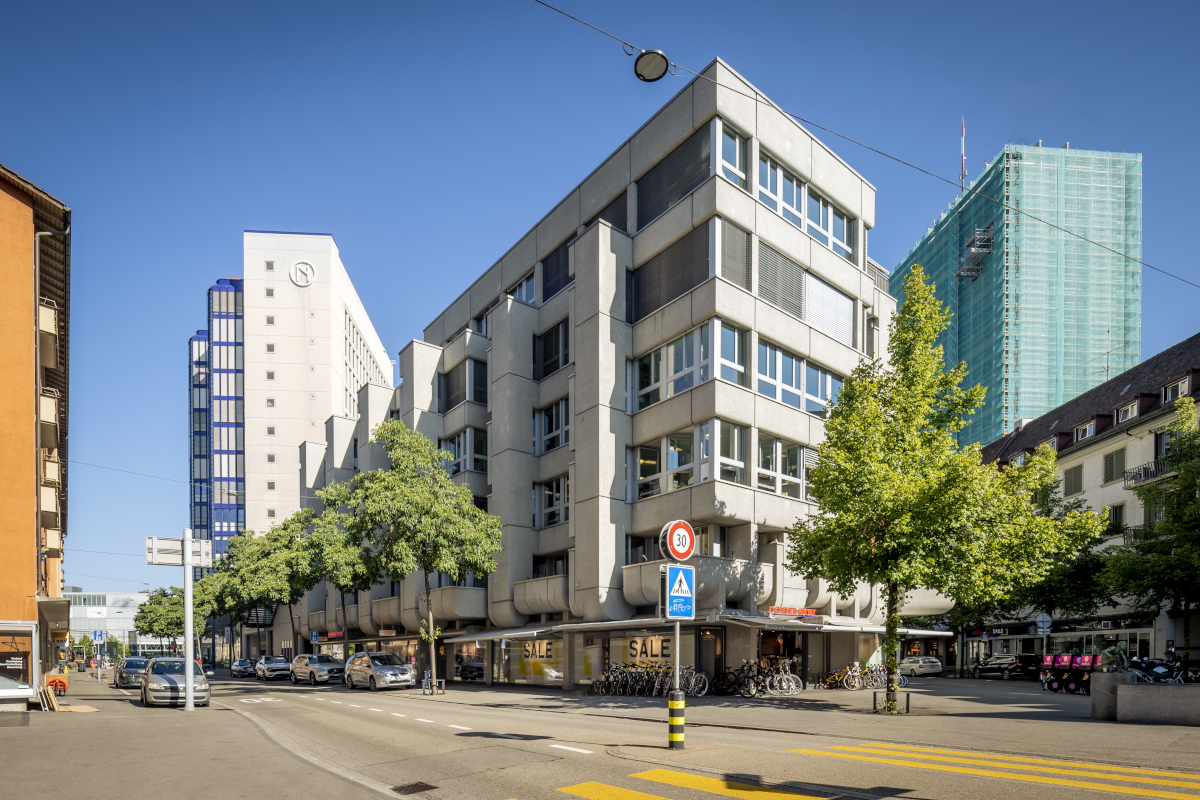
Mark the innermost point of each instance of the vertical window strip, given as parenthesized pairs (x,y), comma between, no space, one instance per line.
(673,178)
(555,269)
(735,254)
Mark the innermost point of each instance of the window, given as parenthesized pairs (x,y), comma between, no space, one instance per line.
(688,363)
(680,461)
(1017,460)
(829,309)
(270,292)
(1116,516)
(1084,431)
(270,402)
(270,486)
(779,374)
(270,348)
(781,191)
(551,350)
(456,446)
(480,325)
(821,388)
(1053,444)
(829,226)
(270,375)
(1172,393)
(270,458)
(1162,444)
(780,466)
(1073,480)
(270,430)
(678,269)
(1126,413)
(526,290)
(768,182)
(270,513)
(1114,465)
(270,320)
(270,266)
(733,453)
(555,269)
(649,379)
(733,155)
(674,178)
(479,451)
(649,470)
(733,354)
(735,254)
(677,470)
(465,381)
(555,501)
(710,540)
(545,566)
(552,426)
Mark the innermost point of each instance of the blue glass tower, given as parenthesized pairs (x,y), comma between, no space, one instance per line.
(198,435)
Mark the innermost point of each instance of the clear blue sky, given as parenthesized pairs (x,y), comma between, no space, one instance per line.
(429,137)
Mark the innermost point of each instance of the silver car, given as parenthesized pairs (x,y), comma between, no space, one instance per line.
(162,682)
(129,672)
(379,671)
(271,667)
(317,668)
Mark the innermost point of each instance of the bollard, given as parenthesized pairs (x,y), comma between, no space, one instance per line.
(675,720)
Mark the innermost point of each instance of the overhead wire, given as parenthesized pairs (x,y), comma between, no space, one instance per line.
(965,190)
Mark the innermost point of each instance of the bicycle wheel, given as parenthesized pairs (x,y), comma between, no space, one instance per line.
(797,684)
(852,682)
(699,685)
(772,685)
(903,681)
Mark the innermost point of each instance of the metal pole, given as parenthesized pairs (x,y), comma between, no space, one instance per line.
(189,655)
(677,686)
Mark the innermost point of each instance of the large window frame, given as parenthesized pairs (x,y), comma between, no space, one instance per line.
(733,452)
(780,468)
(552,426)
(830,226)
(736,145)
(780,190)
(681,364)
(780,374)
(1174,391)
(821,389)
(1127,412)
(463,447)
(526,290)
(735,348)
(552,502)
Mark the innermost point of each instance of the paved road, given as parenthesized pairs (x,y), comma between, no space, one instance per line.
(525,745)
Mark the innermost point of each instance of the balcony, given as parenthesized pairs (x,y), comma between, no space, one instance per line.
(48,335)
(316,622)
(549,595)
(452,603)
(48,506)
(1156,470)
(54,543)
(48,419)
(51,472)
(1137,533)
(718,580)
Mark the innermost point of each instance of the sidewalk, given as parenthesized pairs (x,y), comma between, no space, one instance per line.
(1004,717)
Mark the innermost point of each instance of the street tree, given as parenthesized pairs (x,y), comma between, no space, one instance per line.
(903,505)
(1160,568)
(161,616)
(416,518)
(342,555)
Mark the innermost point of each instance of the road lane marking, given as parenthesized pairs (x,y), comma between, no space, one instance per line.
(394,714)
(746,791)
(460,727)
(418,719)
(1134,770)
(339,702)
(572,749)
(987,773)
(354,706)
(985,761)
(599,791)
(122,691)
(380,710)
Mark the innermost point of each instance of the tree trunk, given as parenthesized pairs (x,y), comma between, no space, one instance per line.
(1187,634)
(295,637)
(432,638)
(891,642)
(343,595)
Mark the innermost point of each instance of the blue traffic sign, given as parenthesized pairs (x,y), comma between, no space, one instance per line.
(312,636)
(681,592)
(97,636)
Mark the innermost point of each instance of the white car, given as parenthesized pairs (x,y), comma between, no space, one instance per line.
(920,665)
(271,667)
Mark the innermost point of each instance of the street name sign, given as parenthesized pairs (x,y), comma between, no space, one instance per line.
(681,592)
(166,551)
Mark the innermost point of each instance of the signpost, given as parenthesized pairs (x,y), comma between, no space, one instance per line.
(312,637)
(677,540)
(1043,629)
(188,553)
(97,640)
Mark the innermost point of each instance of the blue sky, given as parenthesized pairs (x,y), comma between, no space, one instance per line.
(429,137)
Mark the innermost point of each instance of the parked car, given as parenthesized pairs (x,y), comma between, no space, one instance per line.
(1008,667)
(241,668)
(469,667)
(317,668)
(920,665)
(271,667)
(129,672)
(379,671)
(163,682)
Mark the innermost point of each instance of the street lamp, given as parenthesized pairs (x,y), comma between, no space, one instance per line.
(651,65)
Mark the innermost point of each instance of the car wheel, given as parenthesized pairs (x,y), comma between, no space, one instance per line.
(975,673)
(371,684)
(312,679)
(145,701)
(295,680)
(1005,675)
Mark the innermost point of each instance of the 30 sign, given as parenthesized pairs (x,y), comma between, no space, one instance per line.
(677,540)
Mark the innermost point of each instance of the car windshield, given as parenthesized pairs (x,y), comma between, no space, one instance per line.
(135,663)
(173,668)
(385,659)
(276,660)
(321,660)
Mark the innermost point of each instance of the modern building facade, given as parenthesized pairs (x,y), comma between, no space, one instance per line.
(286,346)
(1109,440)
(35,271)
(109,612)
(1040,316)
(662,345)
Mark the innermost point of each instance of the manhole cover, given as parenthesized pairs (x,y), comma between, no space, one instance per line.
(413,788)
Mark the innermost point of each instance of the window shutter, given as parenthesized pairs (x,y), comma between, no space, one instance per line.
(630,296)
(537,357)
(671,179)
(1119,463)
(735,254)
(616,212)
(555,268)
(480,382)
(780,280)
(452,388)
(675,271)
(1073,480)
(1108,466)
(550,351)
(829,310)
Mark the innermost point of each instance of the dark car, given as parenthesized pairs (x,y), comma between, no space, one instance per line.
(315,668)
(129,672)
(469,667)
(241,668)
(1007,667)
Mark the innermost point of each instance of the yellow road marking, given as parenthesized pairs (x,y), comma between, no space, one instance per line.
(745,791)
(987,773)
(1077,764)
(985,763)
(599,791)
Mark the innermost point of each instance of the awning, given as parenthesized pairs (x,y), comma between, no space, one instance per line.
(508,633)
(616,624)
(56,611)
(773,624)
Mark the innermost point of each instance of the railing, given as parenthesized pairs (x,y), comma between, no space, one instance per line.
(1138,533)
(878,274)
(1154,470)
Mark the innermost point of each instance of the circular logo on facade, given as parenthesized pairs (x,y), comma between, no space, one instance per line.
(679,540)
(303,273)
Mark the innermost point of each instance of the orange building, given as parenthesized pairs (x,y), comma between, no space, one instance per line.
(35,273)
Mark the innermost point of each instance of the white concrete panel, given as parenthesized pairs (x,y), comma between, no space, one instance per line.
(785,141)
(836,271)
(732,203)
(836,181)
(736,101)
(558,226)
(735,304)
(868,204)
(664,231)
(662,134)
(603,185)
(518,262)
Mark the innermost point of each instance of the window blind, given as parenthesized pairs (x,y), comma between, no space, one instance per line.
(680,268)
(780,280)
(452,388)
(735,254)
(555,268)
(615,213)
(480,382)
(1114,465)
(829,310)
(551,350)
(670,180)
(1073,480)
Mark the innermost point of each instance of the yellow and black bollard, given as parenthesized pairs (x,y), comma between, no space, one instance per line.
(675,720)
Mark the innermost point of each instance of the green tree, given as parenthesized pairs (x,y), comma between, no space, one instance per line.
(902,505)
(162,615)
(1161,567)
(415,517)
(343,557)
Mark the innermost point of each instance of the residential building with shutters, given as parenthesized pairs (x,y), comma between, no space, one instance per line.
(1109,440)
(664,344)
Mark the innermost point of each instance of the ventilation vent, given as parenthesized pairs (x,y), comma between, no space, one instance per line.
(413,788)
(673,178)
(735,254)
(675,271)
(780,280)
(555,269)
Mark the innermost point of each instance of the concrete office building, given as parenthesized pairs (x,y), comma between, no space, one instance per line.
(1109,440)
(1040,316)
(112,613)
(286,346)
(35,313)
(662,345)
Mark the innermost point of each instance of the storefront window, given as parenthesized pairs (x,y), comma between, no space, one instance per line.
(468,661)
(16,662)
(591,658)
(533,661)
(712,651)
(406,650)
(641,648)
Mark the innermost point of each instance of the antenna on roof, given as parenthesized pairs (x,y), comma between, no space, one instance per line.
(962,176)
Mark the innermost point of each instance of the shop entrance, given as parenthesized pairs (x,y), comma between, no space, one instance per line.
(712,652)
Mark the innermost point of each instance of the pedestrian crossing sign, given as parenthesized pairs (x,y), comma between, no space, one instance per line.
(681,592)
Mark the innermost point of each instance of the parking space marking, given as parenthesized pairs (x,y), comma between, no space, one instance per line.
(339,702)
(572,749)
(354,706)
(460,727)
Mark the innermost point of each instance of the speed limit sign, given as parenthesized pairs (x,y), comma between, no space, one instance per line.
(678,540)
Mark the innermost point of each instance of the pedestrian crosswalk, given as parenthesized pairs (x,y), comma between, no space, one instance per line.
(1115,779)
(722,788)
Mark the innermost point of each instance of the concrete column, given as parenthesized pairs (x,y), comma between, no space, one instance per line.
(752,166)
(631,219)
(754,264)
(569,665)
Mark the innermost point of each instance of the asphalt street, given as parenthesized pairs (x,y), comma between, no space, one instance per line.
(275,738)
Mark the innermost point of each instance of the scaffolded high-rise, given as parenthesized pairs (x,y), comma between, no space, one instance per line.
(1040,315)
